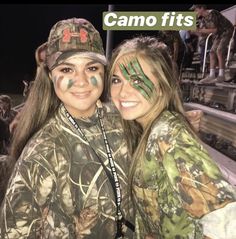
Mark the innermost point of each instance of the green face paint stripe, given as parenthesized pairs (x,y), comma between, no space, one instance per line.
(131,69)
(147,81)
(147,86)
(124,72)
(94,81)
(143,80)
(143,77)
(142,91)
(70,83)
(141,85)
(138,68)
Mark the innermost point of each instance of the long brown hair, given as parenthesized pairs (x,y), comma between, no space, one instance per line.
(157,56)
(39,107)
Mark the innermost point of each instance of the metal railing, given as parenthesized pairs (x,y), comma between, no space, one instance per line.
(205,55)
(229,48)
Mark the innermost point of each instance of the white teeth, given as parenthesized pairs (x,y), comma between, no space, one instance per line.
(80,93)
(128,104)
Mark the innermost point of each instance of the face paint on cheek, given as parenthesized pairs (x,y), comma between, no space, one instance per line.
(57,81)
(70,83)
(97,80)
(94,81)
(62,83)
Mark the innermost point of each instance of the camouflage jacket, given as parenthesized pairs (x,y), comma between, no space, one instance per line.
(178,188)
(216,20)
(59,189)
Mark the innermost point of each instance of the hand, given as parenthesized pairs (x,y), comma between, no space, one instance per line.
(85,222)
(194,117)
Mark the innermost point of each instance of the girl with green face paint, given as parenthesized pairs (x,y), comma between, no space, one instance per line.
(177,189)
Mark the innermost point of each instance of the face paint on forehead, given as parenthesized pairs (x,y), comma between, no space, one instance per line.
(133,72)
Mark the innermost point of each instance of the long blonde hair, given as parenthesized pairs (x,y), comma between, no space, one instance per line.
(156,54)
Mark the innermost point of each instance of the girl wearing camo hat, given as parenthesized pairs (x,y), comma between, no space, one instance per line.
(177,189)
(70,177)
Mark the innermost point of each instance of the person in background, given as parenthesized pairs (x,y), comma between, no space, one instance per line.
(68,154)
(178,191)
(176,48)
(222,30)
(27,86)
(4,137)
(188,40)
(7,113)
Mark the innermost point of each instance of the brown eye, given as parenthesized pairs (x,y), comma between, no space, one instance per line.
(135,79)
(66,70)
(115,80)
(93,68)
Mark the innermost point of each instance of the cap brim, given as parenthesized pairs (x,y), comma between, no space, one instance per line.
(92,55)
(96,56)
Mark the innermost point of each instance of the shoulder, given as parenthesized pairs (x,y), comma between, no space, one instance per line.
(168,130)
(110,112)
(214,14)
(110,108)
(167,123)
(112,120)
(44,143)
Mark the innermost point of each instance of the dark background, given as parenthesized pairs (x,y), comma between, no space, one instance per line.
(23,27)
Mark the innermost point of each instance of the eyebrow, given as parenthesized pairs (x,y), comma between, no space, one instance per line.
(92,62)
(66,63)
(87,64)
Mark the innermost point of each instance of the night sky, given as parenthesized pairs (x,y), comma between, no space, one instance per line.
(25,26)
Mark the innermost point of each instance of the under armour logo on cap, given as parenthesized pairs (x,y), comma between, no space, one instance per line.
(67,34)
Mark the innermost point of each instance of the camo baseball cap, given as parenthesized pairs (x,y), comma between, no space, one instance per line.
(73,36)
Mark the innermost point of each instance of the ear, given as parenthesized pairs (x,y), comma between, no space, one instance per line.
(40,54)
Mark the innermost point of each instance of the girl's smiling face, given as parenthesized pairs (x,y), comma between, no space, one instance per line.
(78,83)
(133,87)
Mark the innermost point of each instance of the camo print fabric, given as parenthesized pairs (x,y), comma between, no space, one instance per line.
(216,20)
(177,184)
(59,188)
(75,34)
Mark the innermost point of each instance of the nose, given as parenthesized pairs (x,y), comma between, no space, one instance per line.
(81,79)
(126,89)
